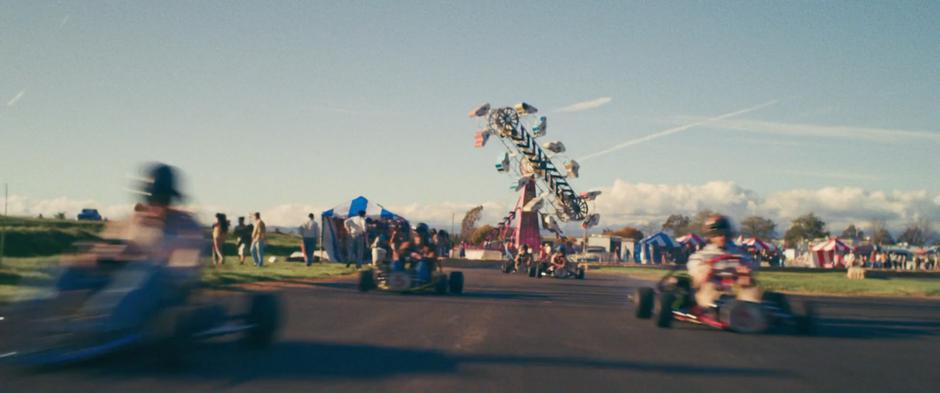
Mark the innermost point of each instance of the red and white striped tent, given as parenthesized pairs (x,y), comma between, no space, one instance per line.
(693,239)
(758,244)
(830,253)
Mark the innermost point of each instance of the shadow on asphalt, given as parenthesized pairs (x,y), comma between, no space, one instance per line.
(227,362)
(855,328)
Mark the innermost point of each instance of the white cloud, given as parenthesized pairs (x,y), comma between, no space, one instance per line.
(586,105)
(622,203)
(641,204)
(827,131)
(16,98)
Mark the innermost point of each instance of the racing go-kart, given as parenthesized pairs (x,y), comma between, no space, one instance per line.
(546,269)
(418,277)
(105,304)
(674,299)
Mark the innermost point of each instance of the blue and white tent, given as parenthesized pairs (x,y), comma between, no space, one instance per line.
(645,252)
(353,207)
(334,244)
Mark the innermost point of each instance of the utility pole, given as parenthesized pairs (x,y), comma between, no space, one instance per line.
(453,218)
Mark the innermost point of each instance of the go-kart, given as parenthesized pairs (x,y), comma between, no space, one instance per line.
(104,306)
(674,299)
(426,276)
(509,266)
(546,269)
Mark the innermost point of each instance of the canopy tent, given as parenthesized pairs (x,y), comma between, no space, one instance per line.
(333,231)
(647,251)
(758,244)
(830,253)
(691,239)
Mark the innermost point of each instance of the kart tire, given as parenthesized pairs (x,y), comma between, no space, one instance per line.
(805,317)
(366,281)
(440,284)
(580,275)
(507,268)
(643,301)
(264,316)
(455,282)
(664,310)
(533,271)
(173,332)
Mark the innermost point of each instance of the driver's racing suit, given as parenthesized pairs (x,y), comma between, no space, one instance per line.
(706,292)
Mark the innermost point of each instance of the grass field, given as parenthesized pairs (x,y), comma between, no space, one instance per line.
(33,247)
(817,283)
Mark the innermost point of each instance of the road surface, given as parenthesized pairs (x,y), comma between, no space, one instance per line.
(510,333)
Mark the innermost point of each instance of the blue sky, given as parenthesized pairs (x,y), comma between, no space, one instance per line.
(311,103)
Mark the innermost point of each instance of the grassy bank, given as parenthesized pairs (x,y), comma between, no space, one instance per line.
(36,244)
(815,282)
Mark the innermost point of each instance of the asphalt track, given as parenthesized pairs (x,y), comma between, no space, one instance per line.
(510,333)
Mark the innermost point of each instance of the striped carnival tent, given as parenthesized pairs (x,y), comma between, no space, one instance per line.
(647,251)
(830,253)
(758,244)
(691,239)
(331,221)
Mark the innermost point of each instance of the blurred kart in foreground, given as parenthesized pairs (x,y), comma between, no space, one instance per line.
(674,299)
(422,277)
(109,299)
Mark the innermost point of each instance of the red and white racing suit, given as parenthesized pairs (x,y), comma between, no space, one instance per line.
(706,292)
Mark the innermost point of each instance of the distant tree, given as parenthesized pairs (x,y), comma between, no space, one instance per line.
(917,233)
(59,216)
(695,224)
(756,226)
(853,233)
(469,222)
(880,233)
(678,224)
(479,234)
(627,232)
(805,227)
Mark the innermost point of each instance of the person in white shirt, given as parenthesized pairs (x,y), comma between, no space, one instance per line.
(356,228)
(309,233)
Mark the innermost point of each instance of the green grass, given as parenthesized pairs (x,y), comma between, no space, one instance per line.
(819,283)
(233,273)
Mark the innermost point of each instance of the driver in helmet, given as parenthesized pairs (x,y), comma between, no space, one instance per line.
(717,229)
(559,259)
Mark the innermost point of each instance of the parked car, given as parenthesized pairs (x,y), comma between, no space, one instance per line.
(89,215)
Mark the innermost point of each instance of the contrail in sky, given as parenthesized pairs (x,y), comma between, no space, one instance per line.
(674,130)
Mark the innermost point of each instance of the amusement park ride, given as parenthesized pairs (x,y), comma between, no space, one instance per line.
(545,196)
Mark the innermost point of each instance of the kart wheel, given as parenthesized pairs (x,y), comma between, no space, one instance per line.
(664,310)
(264,316)
(440,284)
(744,317)
(805,317)
(366,281)
(456,282)
(580,275)
(643,299)
(533,271)
(507,268)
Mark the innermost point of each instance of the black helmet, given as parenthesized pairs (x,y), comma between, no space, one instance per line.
(422,228)
(716,225)
(160,186)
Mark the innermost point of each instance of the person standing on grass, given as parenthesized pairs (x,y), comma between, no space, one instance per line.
(356,228)
(258,241)
(309,233)
(219,229)
(242,234)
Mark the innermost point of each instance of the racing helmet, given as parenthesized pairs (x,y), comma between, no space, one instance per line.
(160,186)
(716,225)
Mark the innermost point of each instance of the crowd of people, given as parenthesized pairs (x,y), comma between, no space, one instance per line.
(250,239)
(898,260)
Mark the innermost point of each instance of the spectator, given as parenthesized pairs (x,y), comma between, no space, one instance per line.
(219,229)
(258,240)
(309,233)
(356,228)
(242,234)
(380,249)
